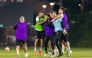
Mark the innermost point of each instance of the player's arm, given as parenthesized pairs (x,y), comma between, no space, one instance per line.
(37,20)
(58,16)
(15,27)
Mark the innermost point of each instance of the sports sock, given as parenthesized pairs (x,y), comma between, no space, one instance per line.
(35,49)
(17,52)
(62,51)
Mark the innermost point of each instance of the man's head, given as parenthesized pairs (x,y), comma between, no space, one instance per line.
(53,14)
(61,10)
(47,16)
(41,14)
(22,19)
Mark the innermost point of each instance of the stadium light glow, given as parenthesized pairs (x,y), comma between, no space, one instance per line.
(44,6)
(52,3)
(79,4)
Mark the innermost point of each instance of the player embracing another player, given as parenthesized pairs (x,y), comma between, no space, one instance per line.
(49,33)
(58,30)
(64,38)
(39,27)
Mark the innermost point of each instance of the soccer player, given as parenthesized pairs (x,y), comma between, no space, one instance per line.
(53,14)
(58,30)
(49,33)
(21,35)
(39,27)
(65,42)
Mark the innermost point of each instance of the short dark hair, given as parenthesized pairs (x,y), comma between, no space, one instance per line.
(52,12)
(48,14)
(41,12)
(62,8)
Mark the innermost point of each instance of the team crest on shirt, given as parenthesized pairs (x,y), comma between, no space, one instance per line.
(41,19)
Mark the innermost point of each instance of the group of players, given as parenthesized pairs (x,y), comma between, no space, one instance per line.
(52,28)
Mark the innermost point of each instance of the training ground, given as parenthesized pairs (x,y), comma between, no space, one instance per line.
(77,53)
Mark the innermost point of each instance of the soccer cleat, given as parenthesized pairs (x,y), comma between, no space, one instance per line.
(50,53)
(53,56)
(26,55)
(60,55)
(46,55)
(40,53)
(68,53)
(34,53)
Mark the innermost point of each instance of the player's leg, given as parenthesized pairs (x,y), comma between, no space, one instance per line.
(35,44)
(41,42)
(63,46)
(49,44)
(18,42)
(52,45)
(46,44)
(25,48)
(55,50)
(36,41)
(58,36)
(67,45)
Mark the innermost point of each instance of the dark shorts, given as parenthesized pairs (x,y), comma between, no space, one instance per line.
(57,35)
(49,37)
(64,37)
(40,34)
(19,42)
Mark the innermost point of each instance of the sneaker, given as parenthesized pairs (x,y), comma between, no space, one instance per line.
(17,55)
(50,53)
(26,55)
(68,53)
(60,55)
(46,55)
(40,53)
(34,53)
(52,56)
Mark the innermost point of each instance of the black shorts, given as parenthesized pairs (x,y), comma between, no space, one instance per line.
(18,42)
(64,37)
(49,37)
(40,35)
(57,35)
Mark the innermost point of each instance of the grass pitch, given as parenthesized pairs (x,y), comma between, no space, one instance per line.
(77,53)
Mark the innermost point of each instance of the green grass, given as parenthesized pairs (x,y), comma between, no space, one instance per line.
(77,53)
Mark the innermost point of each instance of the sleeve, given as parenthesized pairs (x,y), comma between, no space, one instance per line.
(37,19)
(15,27)
(62,16)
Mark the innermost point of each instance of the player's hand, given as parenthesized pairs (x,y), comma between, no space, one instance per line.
(64,32)
(52,20)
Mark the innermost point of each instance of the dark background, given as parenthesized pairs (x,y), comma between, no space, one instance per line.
(11,12)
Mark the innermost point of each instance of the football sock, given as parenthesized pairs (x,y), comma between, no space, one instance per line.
(17,52)
(35,49)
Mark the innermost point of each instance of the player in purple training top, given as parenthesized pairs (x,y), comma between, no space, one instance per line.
(49,33)
(21,35)
(64,38)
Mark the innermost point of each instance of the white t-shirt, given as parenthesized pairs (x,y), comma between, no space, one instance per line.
(37,18)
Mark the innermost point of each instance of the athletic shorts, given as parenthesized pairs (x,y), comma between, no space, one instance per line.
(64,37)
(40,34)
(19,42)
(49,37)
